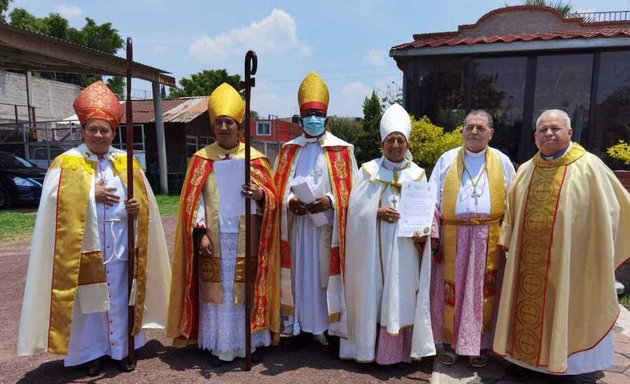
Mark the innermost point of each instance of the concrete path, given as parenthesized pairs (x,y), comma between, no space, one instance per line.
(494,372)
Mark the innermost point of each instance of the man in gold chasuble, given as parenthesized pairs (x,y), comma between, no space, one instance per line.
(565,231)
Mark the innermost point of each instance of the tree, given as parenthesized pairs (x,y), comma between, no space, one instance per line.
(117,85)
(561,6)
(368,143)
(428,142)
(101,37)
(203,83)
(4,6)
(620,151)
(348,129)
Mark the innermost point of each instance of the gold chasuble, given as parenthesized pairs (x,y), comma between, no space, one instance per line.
(340,170)
(72,266)
(450,222)
(566,228)
(193,274)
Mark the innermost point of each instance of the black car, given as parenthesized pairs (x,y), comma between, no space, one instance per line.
(20,181)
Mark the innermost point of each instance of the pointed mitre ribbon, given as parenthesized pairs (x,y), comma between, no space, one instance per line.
(313,93)
(226,101)
(97,101)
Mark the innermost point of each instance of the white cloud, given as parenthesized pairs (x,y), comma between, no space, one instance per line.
(69,11)
(377,57)
(159,49)
(276,32)
(356,90)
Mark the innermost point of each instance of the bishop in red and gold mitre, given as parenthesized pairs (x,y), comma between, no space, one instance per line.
(97,101)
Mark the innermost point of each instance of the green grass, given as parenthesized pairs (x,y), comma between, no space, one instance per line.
(16,225)
(625,299)
(168,204)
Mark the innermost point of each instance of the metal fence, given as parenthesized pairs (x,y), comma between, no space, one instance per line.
(593,17)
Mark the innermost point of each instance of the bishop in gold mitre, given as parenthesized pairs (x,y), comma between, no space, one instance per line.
(207,301)
(312,252)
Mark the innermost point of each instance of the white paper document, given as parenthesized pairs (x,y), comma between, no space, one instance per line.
(417,204)
(230,175)
(303,192)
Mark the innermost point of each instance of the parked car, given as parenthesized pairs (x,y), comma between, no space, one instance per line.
(20,181)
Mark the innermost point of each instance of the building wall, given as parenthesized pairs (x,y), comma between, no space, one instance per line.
(52,99)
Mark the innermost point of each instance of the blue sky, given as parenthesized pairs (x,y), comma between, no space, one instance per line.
(346,41)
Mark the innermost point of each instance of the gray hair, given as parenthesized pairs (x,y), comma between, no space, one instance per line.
(559,112)
(480,112)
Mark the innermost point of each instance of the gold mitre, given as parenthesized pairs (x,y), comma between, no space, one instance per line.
(226,101)
(313,93)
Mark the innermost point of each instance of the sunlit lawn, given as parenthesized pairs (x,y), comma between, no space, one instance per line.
(18,224)
(15,224)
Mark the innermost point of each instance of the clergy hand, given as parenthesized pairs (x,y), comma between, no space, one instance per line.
(132,206)
(419,241)
(320,204)
(297,207)
(252,191)
(205,247)
(389,214)
(104,194)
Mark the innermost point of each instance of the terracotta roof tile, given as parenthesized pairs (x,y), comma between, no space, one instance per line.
(590,33)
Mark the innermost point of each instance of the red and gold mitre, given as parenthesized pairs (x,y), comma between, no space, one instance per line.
(313,93)
(97,101)
(226,101)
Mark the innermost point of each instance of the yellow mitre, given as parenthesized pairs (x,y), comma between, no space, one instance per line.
(226,101)
(313,93)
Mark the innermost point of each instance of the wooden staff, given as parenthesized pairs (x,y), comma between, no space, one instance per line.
(131,246)
(251,64)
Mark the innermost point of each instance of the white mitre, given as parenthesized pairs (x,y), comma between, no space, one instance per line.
(395,119)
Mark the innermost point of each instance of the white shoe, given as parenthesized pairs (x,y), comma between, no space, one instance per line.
(321,339)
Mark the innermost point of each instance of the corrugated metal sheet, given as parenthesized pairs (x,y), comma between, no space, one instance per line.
(181,110)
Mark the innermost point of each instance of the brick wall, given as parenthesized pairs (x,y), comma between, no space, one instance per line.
(52,99)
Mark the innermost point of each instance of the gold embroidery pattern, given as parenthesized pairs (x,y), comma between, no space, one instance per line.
(540,211)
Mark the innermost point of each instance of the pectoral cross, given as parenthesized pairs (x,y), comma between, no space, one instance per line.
(316,173)
(476,195)
(394,201)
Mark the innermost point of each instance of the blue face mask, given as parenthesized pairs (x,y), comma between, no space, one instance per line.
(313,125)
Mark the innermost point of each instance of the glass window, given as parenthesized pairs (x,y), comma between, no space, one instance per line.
(612,121)
(564,82)
(263,128)
(205,140)
(499,88)
(441,91)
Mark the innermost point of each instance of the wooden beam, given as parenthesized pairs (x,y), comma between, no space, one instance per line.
(40,51)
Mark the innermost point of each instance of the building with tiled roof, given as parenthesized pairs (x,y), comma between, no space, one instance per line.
(516,62)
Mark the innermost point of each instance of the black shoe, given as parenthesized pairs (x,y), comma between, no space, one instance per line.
(215,361)
(125,365)
(94,367)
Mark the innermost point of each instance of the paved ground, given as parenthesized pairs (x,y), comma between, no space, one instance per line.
(494,373)
(159,362)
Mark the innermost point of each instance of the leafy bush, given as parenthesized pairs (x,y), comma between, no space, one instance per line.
(428,141)
(620,151)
